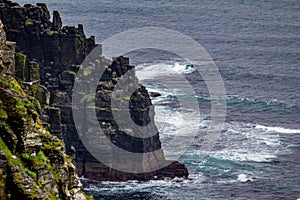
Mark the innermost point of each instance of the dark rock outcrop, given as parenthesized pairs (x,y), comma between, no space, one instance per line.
(141,113)
(49,57)
(155,94)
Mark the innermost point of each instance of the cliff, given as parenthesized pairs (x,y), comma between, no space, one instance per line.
(110,100)
(48,57)
(33,162)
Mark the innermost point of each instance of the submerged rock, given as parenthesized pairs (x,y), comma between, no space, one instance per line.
(154,94)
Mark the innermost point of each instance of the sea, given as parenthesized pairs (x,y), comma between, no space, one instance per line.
(256,47)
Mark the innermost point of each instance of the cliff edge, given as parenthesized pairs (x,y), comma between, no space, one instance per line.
(33,162)
(49,56)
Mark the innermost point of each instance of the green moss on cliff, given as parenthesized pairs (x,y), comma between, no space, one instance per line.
(29,22)
(31,173)
(12,160)
(3,114)
(20,62)
(36,165)
(72,73)
(2,184)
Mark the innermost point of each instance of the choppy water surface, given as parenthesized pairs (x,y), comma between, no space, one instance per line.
(255,44)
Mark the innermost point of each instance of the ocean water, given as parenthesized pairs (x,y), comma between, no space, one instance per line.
(255,45)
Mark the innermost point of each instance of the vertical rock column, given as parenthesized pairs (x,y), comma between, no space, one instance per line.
(20,62)
(57,23)
(55,121)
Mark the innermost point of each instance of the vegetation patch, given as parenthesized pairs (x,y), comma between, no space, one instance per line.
(29,22)
(86,72)
(3,114)
(12,160)
(96,108)
(30,173)
(72,73)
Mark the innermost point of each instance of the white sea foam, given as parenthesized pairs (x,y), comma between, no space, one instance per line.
(183,68)
(244,142)
(239,141)
(169,118)
(244,178)
(278,129)
(244,155)
(115,187)
(151,70)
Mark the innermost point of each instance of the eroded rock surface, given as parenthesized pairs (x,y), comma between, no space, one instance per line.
(33,162)
(48,57)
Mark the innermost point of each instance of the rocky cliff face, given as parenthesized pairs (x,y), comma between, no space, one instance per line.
(33,162)
(49,56)
(121,134)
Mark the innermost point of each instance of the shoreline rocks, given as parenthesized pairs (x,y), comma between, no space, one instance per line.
(48,57)
(154,94)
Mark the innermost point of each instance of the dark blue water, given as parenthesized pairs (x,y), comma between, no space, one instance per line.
(255,45)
